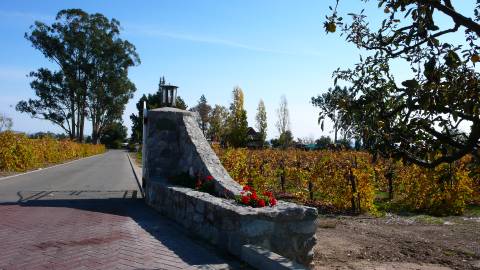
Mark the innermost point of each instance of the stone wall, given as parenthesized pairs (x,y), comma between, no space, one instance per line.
(175,144)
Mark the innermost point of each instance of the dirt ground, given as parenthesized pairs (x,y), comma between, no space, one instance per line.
(398,242)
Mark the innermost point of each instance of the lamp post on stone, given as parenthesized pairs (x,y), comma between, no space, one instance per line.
(168,93)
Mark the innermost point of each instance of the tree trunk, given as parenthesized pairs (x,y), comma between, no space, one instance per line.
(94,127)
(336,133)
(82,125)
(73,130)
(77,135)
(389,177)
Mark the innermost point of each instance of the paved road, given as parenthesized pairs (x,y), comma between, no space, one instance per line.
(107,172)
(84,215)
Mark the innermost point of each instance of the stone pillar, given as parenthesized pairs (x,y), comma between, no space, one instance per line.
(176,144)
(144,143)
(174,102)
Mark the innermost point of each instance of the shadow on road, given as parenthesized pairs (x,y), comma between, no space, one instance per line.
(124,203)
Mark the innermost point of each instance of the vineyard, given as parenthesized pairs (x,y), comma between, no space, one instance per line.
(20,153)
(350,181)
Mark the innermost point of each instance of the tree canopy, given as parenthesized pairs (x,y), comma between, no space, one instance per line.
(5,122)
(432,116)
(91,82)
(218,128)
(203,109)
(115,134)
(283,123)
(261,120)
(328,103)
(238,125)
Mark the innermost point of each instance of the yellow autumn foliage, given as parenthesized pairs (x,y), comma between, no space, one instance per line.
(321,175)
(343,179)
(19,153)
(444,190)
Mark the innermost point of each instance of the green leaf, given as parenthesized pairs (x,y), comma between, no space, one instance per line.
(452,60)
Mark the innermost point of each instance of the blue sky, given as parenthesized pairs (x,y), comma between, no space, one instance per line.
(269,48)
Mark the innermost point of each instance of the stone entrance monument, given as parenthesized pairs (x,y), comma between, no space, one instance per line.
(174,144)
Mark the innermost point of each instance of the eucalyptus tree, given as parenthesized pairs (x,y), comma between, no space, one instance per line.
(91,82)
(328,103)
(6,123)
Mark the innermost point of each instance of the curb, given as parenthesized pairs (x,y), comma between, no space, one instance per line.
(261,258)
(136,174)
(50,167)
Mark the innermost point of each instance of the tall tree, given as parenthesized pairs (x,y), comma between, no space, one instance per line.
(111,89)
(92,80)
(6,123)
(261,119)
(432,117)
(153,101)
(203,110)
(327,102)
(238,125)
(283,121)
(286,139)
(115,134)
(217,130)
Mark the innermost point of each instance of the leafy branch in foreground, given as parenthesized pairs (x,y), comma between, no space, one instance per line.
(431,117)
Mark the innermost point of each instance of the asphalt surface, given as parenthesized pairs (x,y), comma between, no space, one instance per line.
(88,214)
(107,172)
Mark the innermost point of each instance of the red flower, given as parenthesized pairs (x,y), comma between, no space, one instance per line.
(198,184)
(209,178)
(261,203)
(245,200)
(273,201)
(248,196)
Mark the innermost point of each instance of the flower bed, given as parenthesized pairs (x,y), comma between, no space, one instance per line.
(248,196)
